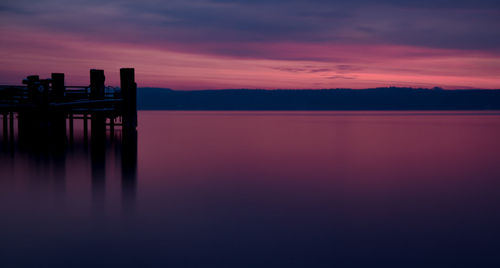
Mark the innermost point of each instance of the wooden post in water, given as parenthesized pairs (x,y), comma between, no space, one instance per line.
(71,128)
(58,131)
(31,82)
(129,95)
(97,138)
(129,134)
(98,121)
(5,128)
(5,122)
(85,128)
(27,120)
(97,84)
(24,125)
(58,87)
(111,127)
(11,126)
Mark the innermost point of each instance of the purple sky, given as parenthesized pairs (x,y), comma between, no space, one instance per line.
(192,44)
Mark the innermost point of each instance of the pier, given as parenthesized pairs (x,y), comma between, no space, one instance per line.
(38,125)
(48,107)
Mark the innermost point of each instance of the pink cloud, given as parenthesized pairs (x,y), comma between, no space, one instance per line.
(252,65)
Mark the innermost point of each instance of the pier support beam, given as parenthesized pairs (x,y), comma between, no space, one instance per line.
(25,126)
(97,84)
(5,128)
(111,127)
(129,95)
(58,118)
(11,125)
(71,131)
(98,121)
(58,87)
(98,128)
(97,140)
(85,128)
(5,123)
(32,82)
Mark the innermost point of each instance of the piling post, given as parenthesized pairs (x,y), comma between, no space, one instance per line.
(5,128)
(97,138)
(31,82)
(97,84)
(58,118)
(5,122)
(27,120)
(97,128)
(111,127)
(85,128)
(129,134)
(58,87)
(70,119)
(44,98)
(98,121)
(24,125)
(129,95)
(11,126)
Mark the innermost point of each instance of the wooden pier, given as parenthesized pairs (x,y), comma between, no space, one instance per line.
(47,108)
(45,111)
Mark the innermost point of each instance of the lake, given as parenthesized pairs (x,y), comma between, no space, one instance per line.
(260,189)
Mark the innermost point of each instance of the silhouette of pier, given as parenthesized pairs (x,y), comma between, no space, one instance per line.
(48,107)
(45,111)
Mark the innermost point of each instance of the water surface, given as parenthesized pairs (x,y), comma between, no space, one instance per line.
(261,189)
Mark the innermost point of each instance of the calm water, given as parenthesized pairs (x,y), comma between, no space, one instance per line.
(261,189)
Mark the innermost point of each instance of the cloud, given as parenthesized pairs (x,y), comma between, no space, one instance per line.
(346,68)
(304,69)
(363,41)
(341,77)
(195,25)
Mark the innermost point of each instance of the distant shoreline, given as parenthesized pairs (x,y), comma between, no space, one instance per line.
(376,99)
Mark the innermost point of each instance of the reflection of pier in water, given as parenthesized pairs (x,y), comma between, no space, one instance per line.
(39,121)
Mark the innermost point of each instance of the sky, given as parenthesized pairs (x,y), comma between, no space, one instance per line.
(214,44)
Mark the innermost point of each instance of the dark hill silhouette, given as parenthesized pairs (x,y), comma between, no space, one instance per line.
(391,98)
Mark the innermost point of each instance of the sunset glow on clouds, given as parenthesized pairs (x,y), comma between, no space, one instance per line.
(255,44)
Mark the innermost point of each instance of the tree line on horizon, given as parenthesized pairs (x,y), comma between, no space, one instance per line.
(389,98)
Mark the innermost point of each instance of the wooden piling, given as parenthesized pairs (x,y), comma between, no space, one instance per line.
(24,125)
(5,122)
(32,82)
(97,128)
(129,133)
(129,95)
(97,138)
(98,121)
(97,84)
(111,127)
(58,87)
(11,125)
(57,127)
(70,119)
(85,128)
(5,127)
